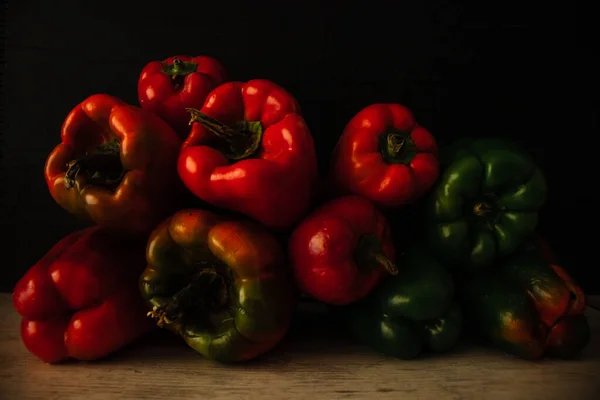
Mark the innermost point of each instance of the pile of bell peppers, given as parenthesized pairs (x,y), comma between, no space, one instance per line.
(226,272)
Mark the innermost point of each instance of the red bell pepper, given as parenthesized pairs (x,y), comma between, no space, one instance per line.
(170,86)
(81,300)
(342,250)
(386,156)
(116,165)
(250,151)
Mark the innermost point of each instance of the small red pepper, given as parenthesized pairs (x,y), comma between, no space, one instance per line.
(386,156)
(250,151)
(81,299)
(168,87)
(341,251)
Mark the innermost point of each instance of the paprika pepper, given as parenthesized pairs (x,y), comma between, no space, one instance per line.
(409,313)
(385,156)
(116,165)
(527,305)
(222,285)
(485,203)
(80,301)
(168,87)
(250,151)
(342,250)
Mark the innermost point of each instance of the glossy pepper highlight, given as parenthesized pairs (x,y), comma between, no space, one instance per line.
(342,250)
(168,87)
(250,151)
(409,313)
(81,300)
(385,156)
(116,165)
(485,203)
(527,306)
(222,285)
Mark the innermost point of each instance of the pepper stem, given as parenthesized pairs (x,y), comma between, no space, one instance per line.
(179,68)
(397,147)
(482,209)
(207,291)
(369,255)
(101,167)
(238,141)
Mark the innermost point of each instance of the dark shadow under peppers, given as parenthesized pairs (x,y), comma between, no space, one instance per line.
(250,151)
(116,166)
(342,250)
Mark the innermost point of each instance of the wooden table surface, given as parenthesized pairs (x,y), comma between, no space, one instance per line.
(311,363)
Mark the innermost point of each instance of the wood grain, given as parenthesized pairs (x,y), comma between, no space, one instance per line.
(313,362)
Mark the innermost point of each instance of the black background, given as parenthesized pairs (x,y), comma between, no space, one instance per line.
(511,69)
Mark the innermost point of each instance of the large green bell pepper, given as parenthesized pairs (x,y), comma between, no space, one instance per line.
(527,306)
(410,312)
(485,202)
(220,284)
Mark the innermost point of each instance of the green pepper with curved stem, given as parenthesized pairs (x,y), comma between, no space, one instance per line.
(485,203)
(408,313)
(220,284)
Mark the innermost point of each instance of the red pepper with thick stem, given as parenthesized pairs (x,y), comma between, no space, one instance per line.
(81,300)
(385,156)
(116,166)
(168,87)
(342,250)
(250,151)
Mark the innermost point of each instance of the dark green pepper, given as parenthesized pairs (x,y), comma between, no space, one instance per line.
(527,306)
(410,312)
(220,284)
(485,203)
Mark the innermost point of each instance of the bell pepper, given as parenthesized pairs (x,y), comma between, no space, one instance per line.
(80,301)
(384,155)
(250,151)
(168,87)
(342,250)
(116,166)
(527,305)
(407,314)
(222,285)
(485,203)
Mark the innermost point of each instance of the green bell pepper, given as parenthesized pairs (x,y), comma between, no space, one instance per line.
(485,203)
(222,285)
(410,312)
(526,306)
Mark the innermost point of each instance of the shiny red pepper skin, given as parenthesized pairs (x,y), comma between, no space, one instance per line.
(102,134)
(342,250)
(275,184)
(168,87)
(386,156)
(81,300)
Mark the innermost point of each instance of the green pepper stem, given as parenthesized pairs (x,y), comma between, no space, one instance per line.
(179,68)
(207,291)
(239,141)
(482,209)
(397,147)
(369,255)
(101,167)
(389,266)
